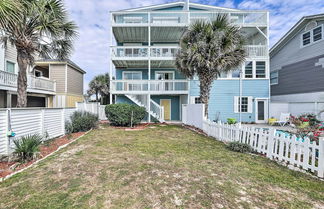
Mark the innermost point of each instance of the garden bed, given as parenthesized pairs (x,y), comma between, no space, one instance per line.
(48,147)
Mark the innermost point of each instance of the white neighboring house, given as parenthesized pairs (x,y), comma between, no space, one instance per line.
(297,69)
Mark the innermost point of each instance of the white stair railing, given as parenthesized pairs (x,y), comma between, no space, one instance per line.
(155,110)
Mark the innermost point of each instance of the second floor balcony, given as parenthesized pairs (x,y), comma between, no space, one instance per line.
(141,53)
(8,81)
(150,86)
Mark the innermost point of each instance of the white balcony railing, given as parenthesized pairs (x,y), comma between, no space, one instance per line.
(160,86)
(185,18)
(131,52)
(140,52)
(256,50)
(10,80)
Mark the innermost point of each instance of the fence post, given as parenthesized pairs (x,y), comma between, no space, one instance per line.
(320,172)
(219,124)
(7,129)
(270,143)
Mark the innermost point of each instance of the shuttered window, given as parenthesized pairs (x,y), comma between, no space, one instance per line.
(317,34)
(243,106)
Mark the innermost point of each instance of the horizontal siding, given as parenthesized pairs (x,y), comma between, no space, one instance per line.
(293,52)
(300,77)
(221,102)
(75,81)
(11,53)
(57,73)
(53,122)
(67,113)
(3,132)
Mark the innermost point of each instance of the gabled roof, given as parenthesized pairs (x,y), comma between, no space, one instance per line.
(174,4)
(291,33)
(64,62)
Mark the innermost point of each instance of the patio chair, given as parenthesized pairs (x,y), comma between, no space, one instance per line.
(284,119)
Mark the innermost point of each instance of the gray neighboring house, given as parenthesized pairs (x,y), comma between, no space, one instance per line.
(297,69)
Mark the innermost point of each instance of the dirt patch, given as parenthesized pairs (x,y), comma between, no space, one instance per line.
(7,168)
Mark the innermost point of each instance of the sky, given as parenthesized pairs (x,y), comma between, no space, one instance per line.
(91,51)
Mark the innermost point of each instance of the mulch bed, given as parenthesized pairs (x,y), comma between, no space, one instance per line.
(47,148)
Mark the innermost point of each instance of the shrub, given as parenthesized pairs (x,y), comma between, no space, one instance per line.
(81,121)
(231,120)
(27,147)
(124,114)
(239,147)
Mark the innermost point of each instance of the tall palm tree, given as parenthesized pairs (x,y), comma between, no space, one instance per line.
(37,28)
(99,85)
(209,48)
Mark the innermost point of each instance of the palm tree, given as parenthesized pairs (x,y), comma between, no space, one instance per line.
(37,28)
(209,48)
(99,85)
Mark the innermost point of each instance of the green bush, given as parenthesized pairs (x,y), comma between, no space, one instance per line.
(81,121)
(124,114)
(239,147)
(231,121)
(27,147)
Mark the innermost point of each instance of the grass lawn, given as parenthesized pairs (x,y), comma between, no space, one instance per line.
(159,167)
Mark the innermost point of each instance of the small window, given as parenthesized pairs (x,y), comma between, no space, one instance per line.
(244,105)
(306,38)
(317,34)
(38,73)
(274,77)
(10,67)
(248,69)
(236,73)
(260,70)
(223,75)
(197,100)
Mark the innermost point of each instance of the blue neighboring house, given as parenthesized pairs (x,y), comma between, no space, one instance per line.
(144,44)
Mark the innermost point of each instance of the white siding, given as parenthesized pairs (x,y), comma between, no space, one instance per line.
(53,124)
(2,57)
(3,132)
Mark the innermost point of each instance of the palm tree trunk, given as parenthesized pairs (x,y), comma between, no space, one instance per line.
(96,96)
(205,87)
(22,59)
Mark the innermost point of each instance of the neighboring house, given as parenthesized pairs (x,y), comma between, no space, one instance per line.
(51,83)
(147,40)
(297,68)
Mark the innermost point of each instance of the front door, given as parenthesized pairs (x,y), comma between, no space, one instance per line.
(166,104)
(261,110)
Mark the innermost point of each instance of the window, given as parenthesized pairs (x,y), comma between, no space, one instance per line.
(274,77)
(223,75)
(10,67)
(312,36)
(317,34)
(306,38)
(195,100)
(38,73)
(249,69)
(236,73)
(260,70)
(243,106)
(127,75)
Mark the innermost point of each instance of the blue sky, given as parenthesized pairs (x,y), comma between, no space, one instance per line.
(92,16)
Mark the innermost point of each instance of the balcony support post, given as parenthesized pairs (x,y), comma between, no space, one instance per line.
(149,107)
(9,99)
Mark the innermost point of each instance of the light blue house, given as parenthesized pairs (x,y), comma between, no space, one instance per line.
(144,44)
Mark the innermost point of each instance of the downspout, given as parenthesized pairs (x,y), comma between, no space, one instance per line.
(240,95)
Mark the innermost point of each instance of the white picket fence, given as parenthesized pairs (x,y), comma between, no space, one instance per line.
(48,122)
(293,151)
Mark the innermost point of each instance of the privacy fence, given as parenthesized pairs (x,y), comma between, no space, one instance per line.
(275,145)
(48,122)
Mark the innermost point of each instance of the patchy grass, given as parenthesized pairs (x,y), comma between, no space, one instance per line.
(164,167)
